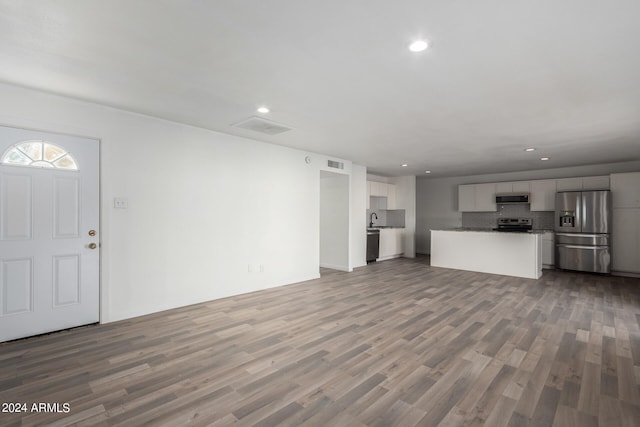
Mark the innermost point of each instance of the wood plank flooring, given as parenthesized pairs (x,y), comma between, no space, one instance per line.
(397,343)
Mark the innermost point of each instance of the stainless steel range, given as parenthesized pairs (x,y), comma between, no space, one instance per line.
(521,225)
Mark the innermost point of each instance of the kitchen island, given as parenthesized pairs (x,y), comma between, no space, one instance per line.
(487,251)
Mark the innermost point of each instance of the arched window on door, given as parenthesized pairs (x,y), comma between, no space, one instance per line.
(40,154)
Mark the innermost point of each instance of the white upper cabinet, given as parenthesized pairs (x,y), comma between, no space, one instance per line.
(583,183)
(595,182)
(504,187)
(378,189)
(486,197)
(522,187)
(477,198)
(391,196)
(481,197)
(466,198)
(513,187)
(543,195)
(381,189)
(625,190)
(569,184)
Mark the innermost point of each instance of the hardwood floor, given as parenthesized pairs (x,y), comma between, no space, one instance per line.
(397,343)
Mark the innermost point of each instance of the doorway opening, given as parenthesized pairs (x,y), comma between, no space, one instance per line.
(334,221)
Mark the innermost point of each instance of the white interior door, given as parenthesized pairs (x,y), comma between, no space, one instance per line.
(49,232)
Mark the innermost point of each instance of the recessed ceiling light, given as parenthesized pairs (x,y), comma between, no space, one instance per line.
(427,171)
(529,149)
(404,165)
(419,45)
(544,158)
(263,110)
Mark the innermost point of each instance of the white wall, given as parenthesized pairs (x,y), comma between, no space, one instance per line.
(334,221)
(358,224)
(406,199)
(437,198)
(204,207)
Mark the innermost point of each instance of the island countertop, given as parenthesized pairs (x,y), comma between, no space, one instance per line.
(491,230)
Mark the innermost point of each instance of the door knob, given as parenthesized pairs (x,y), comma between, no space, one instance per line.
(92,232)
(92,246)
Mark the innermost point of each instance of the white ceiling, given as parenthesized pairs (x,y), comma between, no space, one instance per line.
(558,75)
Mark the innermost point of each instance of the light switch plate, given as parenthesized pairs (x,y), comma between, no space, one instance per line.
(120,203)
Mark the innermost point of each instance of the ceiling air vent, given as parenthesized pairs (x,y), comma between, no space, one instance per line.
(335,165)
(258,124)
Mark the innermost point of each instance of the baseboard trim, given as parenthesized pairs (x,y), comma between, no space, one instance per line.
(625,274)
(336,267)
(389,257)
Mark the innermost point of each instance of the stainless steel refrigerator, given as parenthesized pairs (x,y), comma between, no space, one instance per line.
(582,230)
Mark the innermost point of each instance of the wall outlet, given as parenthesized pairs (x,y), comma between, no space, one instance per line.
(120,203)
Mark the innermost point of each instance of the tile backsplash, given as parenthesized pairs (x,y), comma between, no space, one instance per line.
(396,217)
(382,216)
(541,220)
(387,217)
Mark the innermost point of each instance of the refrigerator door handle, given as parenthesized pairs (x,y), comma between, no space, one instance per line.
(593,248)
(581,234)
(580,214)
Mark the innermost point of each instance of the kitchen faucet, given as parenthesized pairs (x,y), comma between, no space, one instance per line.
(371,218)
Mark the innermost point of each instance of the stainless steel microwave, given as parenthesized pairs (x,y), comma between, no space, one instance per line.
(512,198)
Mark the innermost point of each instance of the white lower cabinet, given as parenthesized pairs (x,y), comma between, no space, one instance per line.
(391,243)
(548,250)
(625,241)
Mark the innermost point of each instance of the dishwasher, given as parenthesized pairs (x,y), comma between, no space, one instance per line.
(373,244)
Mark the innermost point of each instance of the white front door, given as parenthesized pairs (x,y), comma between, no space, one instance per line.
(49,232)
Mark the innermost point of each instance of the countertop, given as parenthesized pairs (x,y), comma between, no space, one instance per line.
(380,227)
(489,230)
